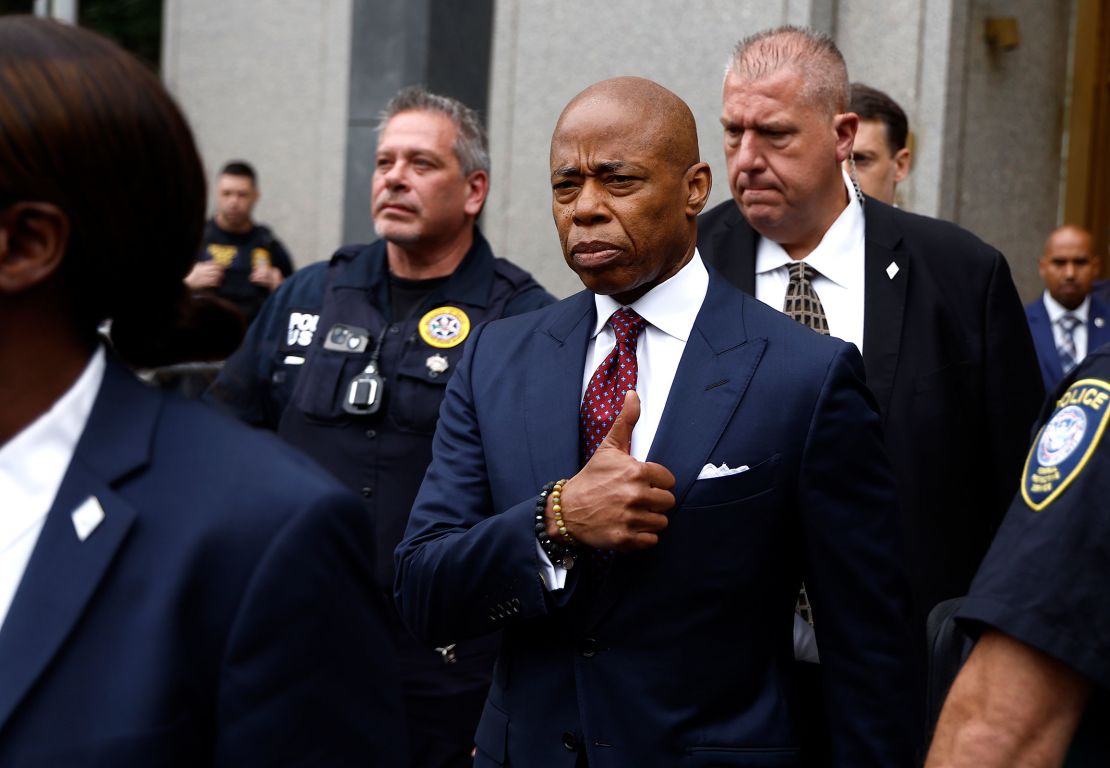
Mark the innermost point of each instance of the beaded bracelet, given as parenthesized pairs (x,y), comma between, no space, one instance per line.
(556,552)
(557,511)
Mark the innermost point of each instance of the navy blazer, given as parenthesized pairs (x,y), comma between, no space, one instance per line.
(681,655)
(951,363)
(1098,333)
(222,613)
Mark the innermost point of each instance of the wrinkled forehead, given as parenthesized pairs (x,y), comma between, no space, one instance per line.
(607,129)
(418,129)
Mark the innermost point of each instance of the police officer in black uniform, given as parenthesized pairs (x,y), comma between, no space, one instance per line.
(349,361)
(1035,687)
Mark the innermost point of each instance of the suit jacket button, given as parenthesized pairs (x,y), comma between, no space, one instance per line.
(589,648)
(570,742)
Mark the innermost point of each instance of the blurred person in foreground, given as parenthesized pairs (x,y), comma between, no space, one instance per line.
(1035,690)
(175,590)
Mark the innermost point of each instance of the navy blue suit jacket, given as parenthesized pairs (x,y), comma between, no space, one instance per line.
(682,654)
(1098,333)
(223,613)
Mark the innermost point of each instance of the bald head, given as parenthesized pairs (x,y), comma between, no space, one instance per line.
(627,186)
(1069,265)
(666,123)
(1070,237)
(811,54)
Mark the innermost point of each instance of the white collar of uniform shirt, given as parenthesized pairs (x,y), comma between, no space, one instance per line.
(32,466)
(839,260)
(670,309)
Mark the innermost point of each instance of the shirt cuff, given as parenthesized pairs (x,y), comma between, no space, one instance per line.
(554,576)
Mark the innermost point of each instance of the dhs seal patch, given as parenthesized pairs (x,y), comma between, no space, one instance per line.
(1065,442)
(444,327)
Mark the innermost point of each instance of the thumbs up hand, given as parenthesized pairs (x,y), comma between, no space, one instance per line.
(617,502)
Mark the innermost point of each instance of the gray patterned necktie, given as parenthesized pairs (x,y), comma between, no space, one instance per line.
(1066,350)
(804,305)
(802,302)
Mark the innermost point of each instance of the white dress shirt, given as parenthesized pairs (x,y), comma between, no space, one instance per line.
(670,309)
(1056,310)
(838,260)
(32,465)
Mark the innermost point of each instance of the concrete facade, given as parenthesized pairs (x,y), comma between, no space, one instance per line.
(270,88)
(287,88)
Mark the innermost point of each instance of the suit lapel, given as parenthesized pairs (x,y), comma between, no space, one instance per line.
(731,250)
(64,571)
(712,377)
(716,367)
(884,300)
(1040,328)
(558,355)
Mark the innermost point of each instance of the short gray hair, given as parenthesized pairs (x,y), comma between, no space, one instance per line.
(813,54)
(470,141)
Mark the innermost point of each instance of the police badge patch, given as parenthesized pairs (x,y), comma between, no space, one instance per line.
(1065,442)
(444,327)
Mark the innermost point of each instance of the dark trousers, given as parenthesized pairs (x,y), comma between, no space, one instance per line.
(441,729)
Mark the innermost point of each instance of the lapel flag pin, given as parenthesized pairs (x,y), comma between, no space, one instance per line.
(87,517)
(891,270)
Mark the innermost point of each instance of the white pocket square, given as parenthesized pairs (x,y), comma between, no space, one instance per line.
(710,471)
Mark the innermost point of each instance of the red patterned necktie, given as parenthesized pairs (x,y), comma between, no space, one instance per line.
(605,393)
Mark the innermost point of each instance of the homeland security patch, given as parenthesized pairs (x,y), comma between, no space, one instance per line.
(444,327)
(1065,442)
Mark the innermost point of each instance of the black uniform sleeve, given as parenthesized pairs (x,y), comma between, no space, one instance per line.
(1044,580)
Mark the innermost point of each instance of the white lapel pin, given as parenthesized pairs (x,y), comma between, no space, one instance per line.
(891,270)
(1099,322)
(87,517)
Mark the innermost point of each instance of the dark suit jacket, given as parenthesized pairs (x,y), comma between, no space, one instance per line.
(1098,333)
(223,613)
(950,360)
(681,655)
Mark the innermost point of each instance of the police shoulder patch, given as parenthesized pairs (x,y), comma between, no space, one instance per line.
(444,327)
(1066,442)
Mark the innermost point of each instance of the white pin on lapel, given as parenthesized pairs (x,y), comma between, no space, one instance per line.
(891,270)
(1099,322)
(87,517)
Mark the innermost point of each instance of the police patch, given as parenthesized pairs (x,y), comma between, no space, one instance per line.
(444,327)
(1065,442)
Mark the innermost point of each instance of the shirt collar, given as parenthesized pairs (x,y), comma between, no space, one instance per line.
(25,460)
(833,256)
(672,306)
(1056,310)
